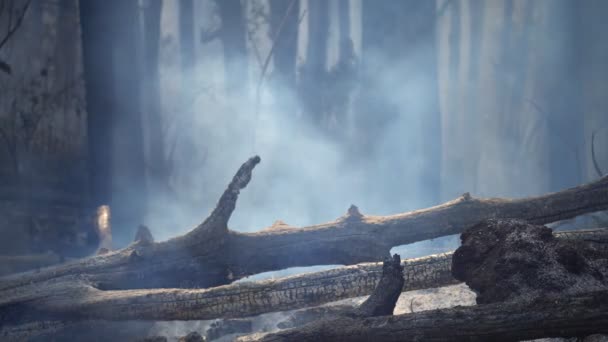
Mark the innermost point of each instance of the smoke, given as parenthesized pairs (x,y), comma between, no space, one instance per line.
(310,172)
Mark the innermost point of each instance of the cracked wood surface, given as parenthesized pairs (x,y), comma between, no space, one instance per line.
(212,255)
(72,298)
(574,316)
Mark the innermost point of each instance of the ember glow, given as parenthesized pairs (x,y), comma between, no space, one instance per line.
(104,228)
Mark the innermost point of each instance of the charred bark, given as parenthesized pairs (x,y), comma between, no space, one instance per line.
(382,301)
(212,255)
(538,286)
(232,34)
(70,299)
(576,316)
(505,260)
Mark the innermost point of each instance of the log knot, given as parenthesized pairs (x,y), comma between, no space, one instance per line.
(353,214)
(277,226)
(143,236)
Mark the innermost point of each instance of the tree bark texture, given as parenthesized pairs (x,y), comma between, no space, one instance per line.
(576,316)
(71,298)
(212,255)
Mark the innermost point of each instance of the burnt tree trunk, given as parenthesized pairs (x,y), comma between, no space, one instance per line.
(116,158)
(158,170)
(97,60)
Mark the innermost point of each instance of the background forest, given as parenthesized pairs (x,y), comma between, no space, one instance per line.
(148,106)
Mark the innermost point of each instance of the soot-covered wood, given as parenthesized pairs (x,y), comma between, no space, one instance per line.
(504,260)
(537,286)
(110,286)
(212,255)
(575,316)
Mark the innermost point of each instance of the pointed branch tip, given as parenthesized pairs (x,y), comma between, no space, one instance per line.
(243,175)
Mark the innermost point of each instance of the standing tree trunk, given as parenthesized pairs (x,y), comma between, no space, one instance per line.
(313,75)
(284,27)
(158,170)
(115,130)
(129,198)
(398,94)
(232,34)
(99,81)
(186,37)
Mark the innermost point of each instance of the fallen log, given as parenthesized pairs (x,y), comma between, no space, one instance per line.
(73,299)
(575,316)
(212,255)
(537,286)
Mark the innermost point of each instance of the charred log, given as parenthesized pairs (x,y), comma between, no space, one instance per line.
(504,260)
(538,286)
(212,255)
(575,316)
(236,300)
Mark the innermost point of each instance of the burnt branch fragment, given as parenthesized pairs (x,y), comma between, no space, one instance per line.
(505,260)
(382,301)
